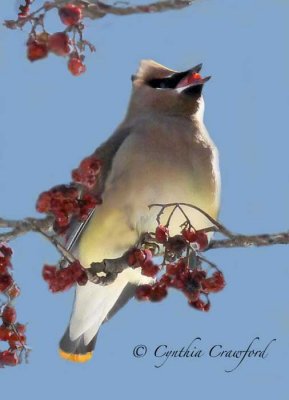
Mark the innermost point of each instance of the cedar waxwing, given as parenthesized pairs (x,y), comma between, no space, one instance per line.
(160,153)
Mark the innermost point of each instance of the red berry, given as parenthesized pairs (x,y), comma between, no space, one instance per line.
(70,14)
(143,292)
(62,219)
(162,234)
(158,293)
(6,251)
(165,280)
(13,291)
(131,260)
(4,261)
(48,272)
(17,340)
(191,78)
(200,305)
(76,176)
(21,328)
(176,244)
(8,357)
(58,43)
(202,240)
(214,284)
(175,269)
(199,274)
(76,66)
(172,269)
(177,283)
(9,315)
(6,280)
(87,172)
(192,295)
(189,234)
(194,77)
(36,50)
(43,202)
(149,269)
(86,204)
(142,255)
(82,279)
(5,333)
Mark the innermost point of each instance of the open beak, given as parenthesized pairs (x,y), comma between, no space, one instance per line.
(190,79)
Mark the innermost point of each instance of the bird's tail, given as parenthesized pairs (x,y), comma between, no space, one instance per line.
(93,305)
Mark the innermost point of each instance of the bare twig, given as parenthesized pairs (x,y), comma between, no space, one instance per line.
(251,240)
(20,227)
(98,9)
(221,228)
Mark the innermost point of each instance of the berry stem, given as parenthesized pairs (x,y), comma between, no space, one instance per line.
(220,227)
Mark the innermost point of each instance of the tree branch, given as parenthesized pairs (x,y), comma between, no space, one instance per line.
(20,227)
(98,9)
(105,272)
(250,240)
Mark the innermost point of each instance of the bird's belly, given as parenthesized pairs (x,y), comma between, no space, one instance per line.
(172,187)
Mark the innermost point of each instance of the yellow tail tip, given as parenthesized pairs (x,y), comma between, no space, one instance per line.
(75,357)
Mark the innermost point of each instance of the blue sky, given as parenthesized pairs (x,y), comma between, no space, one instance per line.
(51,120)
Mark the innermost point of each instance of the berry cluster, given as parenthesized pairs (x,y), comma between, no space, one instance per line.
(11,332)
(68,43)
(65,202)
(192,280)
(24,9)
(63,279)
(143,258)
(7,284)
(87,173)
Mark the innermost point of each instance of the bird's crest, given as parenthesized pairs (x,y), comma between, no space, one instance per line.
(150,69)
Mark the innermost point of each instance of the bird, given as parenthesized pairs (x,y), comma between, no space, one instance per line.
(160,153)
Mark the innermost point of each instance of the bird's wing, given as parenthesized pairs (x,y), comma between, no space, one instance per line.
(105,153)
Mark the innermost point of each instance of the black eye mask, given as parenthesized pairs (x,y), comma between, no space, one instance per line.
(167,83)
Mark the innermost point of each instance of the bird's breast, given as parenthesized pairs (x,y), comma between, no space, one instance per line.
(166,161)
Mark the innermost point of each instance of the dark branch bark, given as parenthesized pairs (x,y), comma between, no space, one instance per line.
(251,240)
(98,9)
